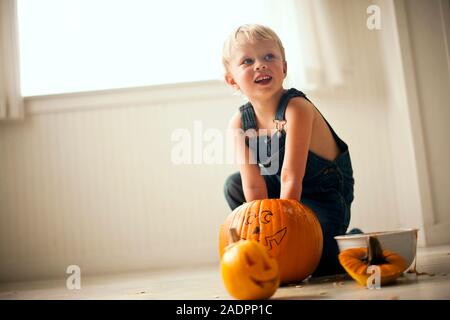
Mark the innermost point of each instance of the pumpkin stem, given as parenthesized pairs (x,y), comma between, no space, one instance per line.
(375,252)
(234,235)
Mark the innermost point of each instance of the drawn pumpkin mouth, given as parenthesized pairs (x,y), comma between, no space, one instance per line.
(261,283)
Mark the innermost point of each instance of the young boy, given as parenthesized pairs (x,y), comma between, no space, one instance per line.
(314,165)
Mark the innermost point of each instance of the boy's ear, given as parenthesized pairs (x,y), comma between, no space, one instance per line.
(285,68)
(230,80)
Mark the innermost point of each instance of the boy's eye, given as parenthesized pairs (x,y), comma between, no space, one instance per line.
(247,61)
(269,57)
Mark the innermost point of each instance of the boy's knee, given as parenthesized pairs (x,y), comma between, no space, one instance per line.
(232,182)
(233,191)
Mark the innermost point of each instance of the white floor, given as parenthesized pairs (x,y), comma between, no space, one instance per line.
(205,283)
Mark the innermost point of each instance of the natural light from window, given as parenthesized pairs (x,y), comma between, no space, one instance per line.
(84,45)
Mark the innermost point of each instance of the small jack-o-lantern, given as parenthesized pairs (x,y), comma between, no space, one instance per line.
(248,272)
(356,261)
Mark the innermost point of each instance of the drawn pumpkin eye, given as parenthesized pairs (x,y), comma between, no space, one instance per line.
(265,216)
(249,260)
(266,266)
(250,218)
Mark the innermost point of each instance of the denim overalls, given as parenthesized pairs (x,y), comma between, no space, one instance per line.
(327,185)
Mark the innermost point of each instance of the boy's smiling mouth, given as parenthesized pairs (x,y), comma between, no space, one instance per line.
(263,79)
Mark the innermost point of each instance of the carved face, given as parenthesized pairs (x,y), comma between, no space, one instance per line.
(248,271)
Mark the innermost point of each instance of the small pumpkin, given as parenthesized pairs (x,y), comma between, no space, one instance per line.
(356,261)
(248,272)
(288,229)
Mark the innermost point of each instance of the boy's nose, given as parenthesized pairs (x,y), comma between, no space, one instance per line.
(260,65)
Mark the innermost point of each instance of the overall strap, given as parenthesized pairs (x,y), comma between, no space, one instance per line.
(288,95)
(280,115)
(248,119)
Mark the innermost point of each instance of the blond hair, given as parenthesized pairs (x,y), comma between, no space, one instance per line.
(250,32)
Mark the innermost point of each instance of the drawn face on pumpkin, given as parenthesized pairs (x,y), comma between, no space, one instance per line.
(254,222)
(248,271)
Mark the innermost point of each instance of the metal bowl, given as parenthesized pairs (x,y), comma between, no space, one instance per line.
(403,242)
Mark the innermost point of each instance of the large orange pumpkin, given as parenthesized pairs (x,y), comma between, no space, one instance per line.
(290,231)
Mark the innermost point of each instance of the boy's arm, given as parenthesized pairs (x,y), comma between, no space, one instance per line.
(253,184)
(299,123)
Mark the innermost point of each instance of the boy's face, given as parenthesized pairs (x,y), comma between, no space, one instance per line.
(257,69)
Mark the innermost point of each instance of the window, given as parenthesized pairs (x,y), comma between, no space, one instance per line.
(83,45)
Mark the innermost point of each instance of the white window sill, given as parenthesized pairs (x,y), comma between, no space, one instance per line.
(141,96)
(136,96)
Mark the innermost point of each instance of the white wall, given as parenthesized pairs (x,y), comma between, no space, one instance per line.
(426,54)
(97,188)
(87,179)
